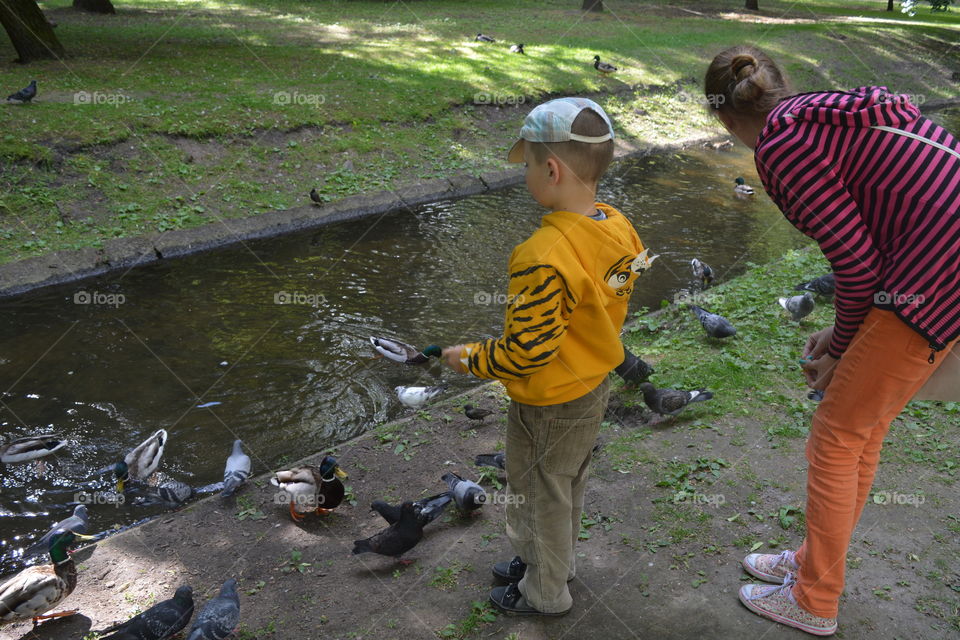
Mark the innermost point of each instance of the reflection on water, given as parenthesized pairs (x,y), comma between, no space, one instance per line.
(294,378)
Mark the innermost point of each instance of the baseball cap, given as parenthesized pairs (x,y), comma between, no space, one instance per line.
(551,122)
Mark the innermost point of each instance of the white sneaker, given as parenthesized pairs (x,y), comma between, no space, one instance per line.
(771,567)
(777,604)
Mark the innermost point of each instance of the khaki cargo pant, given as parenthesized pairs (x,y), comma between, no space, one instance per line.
(548,459)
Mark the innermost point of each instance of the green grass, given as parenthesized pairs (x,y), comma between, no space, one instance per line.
(203,110)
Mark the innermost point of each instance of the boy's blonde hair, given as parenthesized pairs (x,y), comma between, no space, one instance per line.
(587,160)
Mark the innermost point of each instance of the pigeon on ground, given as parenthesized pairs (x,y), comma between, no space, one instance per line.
(475,413)
(161,621)
(714,324)
(702,272)
(170,494)
(825,285)
(517,48)
(400,537)
(798,306)
(25,95)
(220,616)
(428,509)
(498,460)
(468,495)
(77,523)
(670,401)
(633,370)
(603,67)
(416,397)
(237,470)
(315,196)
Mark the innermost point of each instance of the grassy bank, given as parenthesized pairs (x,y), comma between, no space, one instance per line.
(171,115)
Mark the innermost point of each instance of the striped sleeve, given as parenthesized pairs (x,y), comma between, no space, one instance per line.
(807,189)
(538,311)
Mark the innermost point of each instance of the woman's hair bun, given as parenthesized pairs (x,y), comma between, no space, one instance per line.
(744,80)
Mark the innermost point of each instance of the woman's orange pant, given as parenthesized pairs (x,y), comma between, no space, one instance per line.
(885,365)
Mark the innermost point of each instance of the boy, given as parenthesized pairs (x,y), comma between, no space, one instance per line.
(569,286)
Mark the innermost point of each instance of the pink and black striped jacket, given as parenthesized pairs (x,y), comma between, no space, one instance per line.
(884,208)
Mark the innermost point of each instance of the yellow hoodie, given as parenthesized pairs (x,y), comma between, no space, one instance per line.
(567,299)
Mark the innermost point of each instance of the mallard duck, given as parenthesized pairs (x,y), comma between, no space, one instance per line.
(139,464)
(416,397)
(30,448)
(312,488)
(517,48)
(702,271)
(603,67)
(482,38)
(37,589)
(403,352)
(743,188)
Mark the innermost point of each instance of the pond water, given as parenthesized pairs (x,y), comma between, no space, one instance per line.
(152,345)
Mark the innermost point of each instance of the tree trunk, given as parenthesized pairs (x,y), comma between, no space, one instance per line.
(93,6)
(753,5)
(889,5)
(31,34)
(592,5)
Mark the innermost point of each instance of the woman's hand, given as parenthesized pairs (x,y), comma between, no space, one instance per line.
(817,344)
(819,372)
(451,357)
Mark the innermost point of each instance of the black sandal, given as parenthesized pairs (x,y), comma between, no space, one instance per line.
(509,600)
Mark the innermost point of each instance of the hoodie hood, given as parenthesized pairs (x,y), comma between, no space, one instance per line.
(607,247)
(861,107)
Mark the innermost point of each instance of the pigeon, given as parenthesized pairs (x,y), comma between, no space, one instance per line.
(170,494)
(237,470)
(824,285)
(714,324)
(603,67)
(670,401)
(517,48)
(498,460)
(798,306)
(77,523)
(702,272)
(633,370)
(24,95)
(482,38)
(315,196)
(428,509)
(742,188)
(220,616)
(468,495)
(475,413)
(416,397)
(400,537)
(161,621)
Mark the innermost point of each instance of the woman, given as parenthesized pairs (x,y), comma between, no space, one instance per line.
(885,209)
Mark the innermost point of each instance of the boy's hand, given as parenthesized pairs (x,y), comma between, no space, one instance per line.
(451,357)
(819,372)
(818,343)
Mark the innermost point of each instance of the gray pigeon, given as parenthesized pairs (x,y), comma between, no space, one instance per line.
(26,94)
(220,616)
(825,285)
(798,306)
(77,523)
(237,470)
(498,460)
(468,495)
(670,401)
(427,509)
(161,621)
(170,494)
(714,324)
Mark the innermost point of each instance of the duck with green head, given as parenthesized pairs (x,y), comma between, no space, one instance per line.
(312,488)
(40,588)
(140,463)
(403,352)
